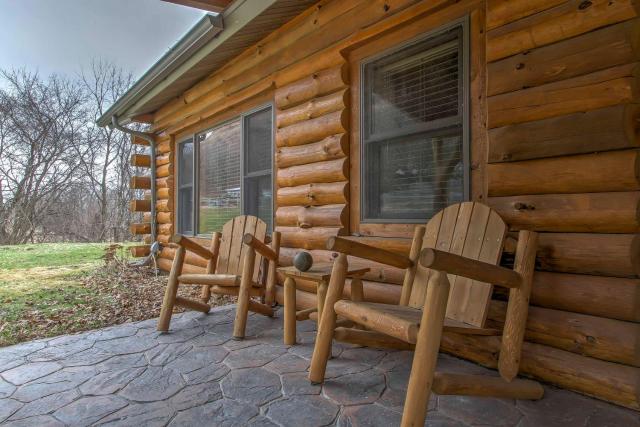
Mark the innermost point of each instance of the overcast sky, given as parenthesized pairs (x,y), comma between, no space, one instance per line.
(60,36)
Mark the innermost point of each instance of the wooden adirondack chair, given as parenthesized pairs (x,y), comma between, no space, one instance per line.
(234,267)
(448,282)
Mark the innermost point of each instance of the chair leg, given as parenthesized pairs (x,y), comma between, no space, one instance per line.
(327,324)
(171,291)
(427,348)
(242,309)
(289,311)
(205,294)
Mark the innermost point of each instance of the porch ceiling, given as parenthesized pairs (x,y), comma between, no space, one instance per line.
(202,51)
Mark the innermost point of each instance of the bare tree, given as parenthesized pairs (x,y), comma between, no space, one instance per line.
(40,120)
(106,163)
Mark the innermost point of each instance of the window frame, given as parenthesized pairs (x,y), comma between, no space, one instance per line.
(193,137)
(465,113)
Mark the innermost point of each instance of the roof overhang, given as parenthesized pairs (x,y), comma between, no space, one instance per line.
(204,49)
(216,6)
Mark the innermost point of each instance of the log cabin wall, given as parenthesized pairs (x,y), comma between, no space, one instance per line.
(554,149)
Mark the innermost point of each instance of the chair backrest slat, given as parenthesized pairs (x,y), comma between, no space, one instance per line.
(232,250)
(474,231)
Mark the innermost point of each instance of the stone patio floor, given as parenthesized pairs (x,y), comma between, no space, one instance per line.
(130,375)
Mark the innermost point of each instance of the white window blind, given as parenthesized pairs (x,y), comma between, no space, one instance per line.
(413,145)
(219,176)
(185,187)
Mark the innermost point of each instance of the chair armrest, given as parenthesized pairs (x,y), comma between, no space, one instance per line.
(470,268)
(361,250)
(261,248)
(191,245)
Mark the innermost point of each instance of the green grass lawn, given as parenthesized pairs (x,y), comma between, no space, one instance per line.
(41,289)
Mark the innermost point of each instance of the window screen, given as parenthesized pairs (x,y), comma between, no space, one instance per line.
(414,161)
(219,176)
(185,187)
(258,192)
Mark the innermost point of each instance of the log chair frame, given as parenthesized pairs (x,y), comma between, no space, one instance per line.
(244,290)
(423,377)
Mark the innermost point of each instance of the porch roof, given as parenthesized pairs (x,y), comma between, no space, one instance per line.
(205,48)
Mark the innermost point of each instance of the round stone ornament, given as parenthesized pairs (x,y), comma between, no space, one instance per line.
(303,261)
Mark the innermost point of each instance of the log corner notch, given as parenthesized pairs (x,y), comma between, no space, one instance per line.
(312,120)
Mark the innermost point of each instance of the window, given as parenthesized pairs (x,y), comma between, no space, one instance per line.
(185,187)
(413,132)
(257,188)
(233,174)
(219,176)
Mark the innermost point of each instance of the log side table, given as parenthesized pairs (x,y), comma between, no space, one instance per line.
(319,273)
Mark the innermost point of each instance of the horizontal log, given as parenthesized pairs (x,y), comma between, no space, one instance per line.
(585,212)
(162,217)
(605,339)
(313,194)
(470,268)
(609,297)
(165,265)
(313,130)
(260,247)
(400,245)
(160,238)
(371,253)
(566,20)
(164,159)
(164,171)
(191,245)
(585,173)
(613,86)
(582,253)
(314,108)
(319,172)
(165,193)
(140,183)
(604,129)
(307,238)
(597,50)
(164,147)
(370,339)
(318,84)
(136,140)
(140,228)
(377,272)
(585,253)
(445,383)
(501,12)
(165,182)
(140,205)
(165,229)
(164,205)
(373,292)
(190,258)
(332,147)
(140,160)
(139,251)
(605,380)
(312,216)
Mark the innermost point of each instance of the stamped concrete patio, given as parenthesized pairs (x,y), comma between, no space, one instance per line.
(130,375)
